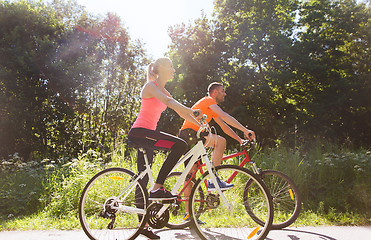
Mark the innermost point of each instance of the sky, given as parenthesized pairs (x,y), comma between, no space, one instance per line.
(149,20)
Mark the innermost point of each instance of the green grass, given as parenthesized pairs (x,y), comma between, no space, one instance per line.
(43,221)
(40,195)
(40,221)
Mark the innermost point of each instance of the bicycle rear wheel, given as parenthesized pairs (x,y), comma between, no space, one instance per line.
(177,214)
(231,223)
(285,195)
(103,216)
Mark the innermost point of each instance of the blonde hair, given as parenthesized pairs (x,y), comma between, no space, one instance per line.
(153,68)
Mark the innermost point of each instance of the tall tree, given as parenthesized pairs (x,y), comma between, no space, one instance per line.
(68,79)
(335,68)
(113,101)
(241,47)
(283,63)
(30,38)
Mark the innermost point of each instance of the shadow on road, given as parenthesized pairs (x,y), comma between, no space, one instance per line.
(294,237)
(191,234)
(301,233)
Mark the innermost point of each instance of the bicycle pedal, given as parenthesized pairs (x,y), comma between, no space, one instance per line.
(175,212)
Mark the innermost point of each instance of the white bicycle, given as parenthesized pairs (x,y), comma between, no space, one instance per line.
(114,203)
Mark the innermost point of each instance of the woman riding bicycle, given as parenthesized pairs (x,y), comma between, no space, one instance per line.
(155,99)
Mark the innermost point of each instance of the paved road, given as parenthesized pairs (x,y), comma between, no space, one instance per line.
(300,233)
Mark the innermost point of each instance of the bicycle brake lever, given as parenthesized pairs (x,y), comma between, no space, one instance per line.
(248,144)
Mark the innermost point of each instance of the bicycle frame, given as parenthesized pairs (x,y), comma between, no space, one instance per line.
(200,167)
(195,153)
(264,174)
(247,159)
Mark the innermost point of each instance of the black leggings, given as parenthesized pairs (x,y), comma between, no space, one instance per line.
(152,139)
(190,137)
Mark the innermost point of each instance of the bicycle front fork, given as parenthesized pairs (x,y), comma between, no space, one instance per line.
(255,169)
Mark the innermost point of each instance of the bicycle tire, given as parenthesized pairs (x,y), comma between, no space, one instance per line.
(98,219)
(285,195)
(176,215)
(219,218)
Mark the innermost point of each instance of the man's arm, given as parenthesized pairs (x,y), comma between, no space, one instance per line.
(227,129)
(232,121)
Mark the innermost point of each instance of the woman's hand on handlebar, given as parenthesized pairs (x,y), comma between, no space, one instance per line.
(197,113)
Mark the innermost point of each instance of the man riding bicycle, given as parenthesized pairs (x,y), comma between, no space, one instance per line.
(209,106)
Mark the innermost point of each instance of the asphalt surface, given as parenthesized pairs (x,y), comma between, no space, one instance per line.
(299,233)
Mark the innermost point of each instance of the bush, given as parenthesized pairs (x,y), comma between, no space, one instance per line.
(329,178)
(335,183)
(342,181)
(64,187)
(21,186)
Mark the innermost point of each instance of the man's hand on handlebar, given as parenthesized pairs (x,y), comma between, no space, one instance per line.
(250,135)
(247,144)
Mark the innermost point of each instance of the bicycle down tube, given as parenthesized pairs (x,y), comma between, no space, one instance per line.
(197,151)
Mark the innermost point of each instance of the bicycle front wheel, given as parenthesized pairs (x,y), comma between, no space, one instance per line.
(231,221)
(105,215)
(286,198)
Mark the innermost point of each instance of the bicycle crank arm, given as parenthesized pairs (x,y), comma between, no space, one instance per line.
(162,210)
(130,209)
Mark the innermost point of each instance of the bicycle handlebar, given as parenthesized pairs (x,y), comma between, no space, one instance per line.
(204,126)
(248,144)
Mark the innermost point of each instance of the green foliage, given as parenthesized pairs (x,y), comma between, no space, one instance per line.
(40,221)
(346,173)
(41,81)
(64,186)
(294,70)
(330,179)
(52,186)
(20,186)
(67,79)
(334,183)
(27,38)
(335,79)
